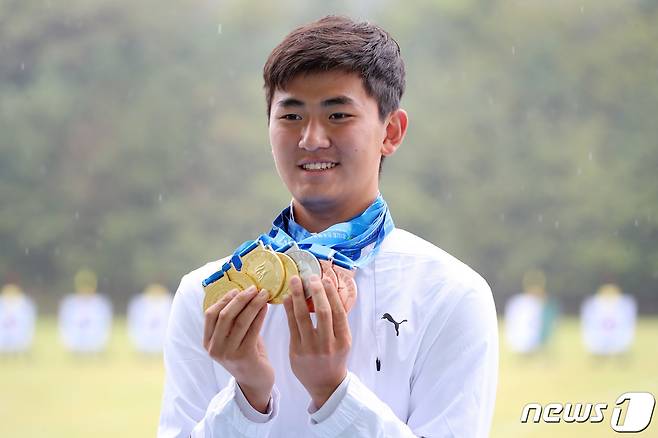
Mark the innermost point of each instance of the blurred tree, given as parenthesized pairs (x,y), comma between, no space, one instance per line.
(133,138)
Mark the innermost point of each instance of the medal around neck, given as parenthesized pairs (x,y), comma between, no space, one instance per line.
(346,286)
(243,279)
(341,246)
(260,269)
(307,264)
(327,272)
(264,266)
(217,289)
(291,270)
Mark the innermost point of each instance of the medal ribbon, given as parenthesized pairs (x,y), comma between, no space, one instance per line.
(341,243)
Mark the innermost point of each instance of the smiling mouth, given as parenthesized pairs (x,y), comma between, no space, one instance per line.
(315,167)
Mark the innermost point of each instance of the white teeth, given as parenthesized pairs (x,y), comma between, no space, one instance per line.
(318,166)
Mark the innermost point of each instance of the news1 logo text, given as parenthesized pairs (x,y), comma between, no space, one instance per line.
(637,406)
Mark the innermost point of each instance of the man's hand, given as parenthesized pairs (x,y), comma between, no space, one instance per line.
(318,356)
(231,337)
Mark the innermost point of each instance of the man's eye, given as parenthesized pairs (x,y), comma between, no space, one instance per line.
(290,117)
(339,116)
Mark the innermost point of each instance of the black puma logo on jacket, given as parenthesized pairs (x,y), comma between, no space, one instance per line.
(395,323)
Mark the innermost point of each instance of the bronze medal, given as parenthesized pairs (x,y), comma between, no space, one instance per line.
(346,286)
(327,272)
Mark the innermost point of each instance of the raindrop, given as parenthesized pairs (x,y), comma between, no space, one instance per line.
(557,224)
(513,51)
(637,223)
(582,9)
(160,197)
(22,66)
(77,215)
(540,218)
(57,251)
(501,216)
(590,156)
(219,29)
(27,251)
(579,171)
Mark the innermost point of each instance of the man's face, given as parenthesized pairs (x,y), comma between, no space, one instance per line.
(327,140)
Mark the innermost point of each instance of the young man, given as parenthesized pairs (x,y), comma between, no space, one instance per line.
(417,353)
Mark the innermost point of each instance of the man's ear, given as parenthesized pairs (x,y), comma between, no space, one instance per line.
(396,128)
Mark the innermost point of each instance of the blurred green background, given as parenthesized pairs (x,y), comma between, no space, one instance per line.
(133,141)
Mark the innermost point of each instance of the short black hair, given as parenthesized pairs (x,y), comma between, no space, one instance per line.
(340,43)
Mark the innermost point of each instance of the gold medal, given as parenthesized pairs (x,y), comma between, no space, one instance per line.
(241,278)
(291,270)
(266,268)
(216,290)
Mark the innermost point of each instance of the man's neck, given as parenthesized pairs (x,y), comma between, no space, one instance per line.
(316,218)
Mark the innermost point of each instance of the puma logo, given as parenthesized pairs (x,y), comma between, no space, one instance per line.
(395,323)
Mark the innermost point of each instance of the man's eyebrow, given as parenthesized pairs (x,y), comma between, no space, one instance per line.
(290,102)
(338,100)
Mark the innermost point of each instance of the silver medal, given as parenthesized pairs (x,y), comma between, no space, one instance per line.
(307,265)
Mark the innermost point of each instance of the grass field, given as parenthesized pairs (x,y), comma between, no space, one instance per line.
(50,393)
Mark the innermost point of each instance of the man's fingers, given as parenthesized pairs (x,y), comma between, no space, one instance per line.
(228,314)
(292,323)
(338,313)
(322,308)
(245,319)
(212,313)
(302,316)
(251,336)
(349,298)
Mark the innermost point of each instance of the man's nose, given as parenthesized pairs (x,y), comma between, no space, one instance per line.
(314,136)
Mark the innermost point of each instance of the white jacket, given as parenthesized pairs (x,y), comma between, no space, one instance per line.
(437,377)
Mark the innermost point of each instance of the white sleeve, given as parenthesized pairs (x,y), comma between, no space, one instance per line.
(196,402)
(249,411)
(328,408)
(453,388)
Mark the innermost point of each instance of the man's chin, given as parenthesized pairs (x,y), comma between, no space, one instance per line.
(316,201)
